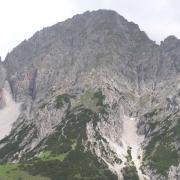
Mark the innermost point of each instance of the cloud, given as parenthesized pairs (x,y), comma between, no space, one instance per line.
(19,19)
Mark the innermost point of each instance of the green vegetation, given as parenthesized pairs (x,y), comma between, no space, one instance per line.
(152,119)
(117,160)
(176,130)
(163,158)
(76,165)
(151,114)
(14,141)
(130,173)
(48,155)
(88,100)
(160,152)
(93,100)
(129,157)
(67,159)
(153,125)
(61,100)
(14,172)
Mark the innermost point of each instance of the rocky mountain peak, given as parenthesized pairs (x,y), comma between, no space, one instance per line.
(171,43)
(171,39)
(92,40)
(99,100)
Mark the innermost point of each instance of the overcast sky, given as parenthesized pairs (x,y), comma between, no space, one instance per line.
(20,19)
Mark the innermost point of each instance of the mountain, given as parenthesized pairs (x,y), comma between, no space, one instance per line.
(91,98)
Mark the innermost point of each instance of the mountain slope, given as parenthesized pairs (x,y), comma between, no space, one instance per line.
(99,100)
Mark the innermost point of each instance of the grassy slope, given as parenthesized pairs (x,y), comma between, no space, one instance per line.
(13,172)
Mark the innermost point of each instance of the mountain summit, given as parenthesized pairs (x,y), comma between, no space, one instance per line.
(94,98)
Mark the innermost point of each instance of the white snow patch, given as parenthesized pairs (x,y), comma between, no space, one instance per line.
(9,114)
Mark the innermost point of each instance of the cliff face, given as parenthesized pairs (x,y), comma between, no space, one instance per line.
(2,82)
(2,75)
(96,87)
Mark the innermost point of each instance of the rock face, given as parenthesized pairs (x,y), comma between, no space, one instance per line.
(96,87)
(2,82)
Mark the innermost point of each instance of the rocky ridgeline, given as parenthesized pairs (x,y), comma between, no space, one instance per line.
(79,82)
